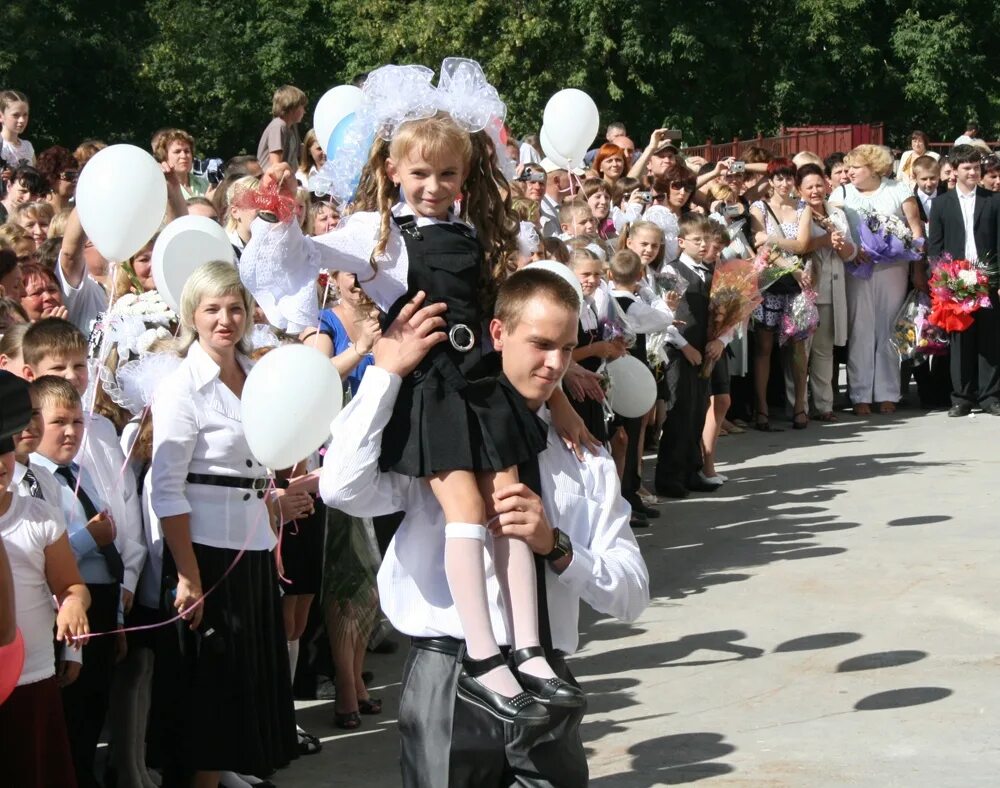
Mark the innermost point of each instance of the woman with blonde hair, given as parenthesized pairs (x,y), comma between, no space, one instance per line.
(224,665)
(239,219)
(872,304)
(35,217)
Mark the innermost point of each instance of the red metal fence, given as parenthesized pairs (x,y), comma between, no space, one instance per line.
(821,140)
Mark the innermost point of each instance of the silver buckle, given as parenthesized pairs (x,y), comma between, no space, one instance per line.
(260,483)
(453,338)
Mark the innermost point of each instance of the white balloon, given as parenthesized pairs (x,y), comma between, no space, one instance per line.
(121,198)
(554,154)
(289,399)
(571,120)
(562,270)
(633,388)
(335,105)
(187,243)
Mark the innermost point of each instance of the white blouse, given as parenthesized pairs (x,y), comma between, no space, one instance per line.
(582,499)
(197,429)
(280,265)
(28,527)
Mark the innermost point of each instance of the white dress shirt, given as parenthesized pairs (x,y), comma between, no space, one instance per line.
(102,456)
(967,202)
(47,485)
(582,499)
(197,429)
(926,200)
(645,312)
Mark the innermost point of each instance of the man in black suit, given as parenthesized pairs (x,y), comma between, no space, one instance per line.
(964,224)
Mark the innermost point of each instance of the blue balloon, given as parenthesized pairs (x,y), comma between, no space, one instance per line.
(347,153)
(338,134)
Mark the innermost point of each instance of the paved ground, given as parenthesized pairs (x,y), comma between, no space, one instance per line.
(828,618)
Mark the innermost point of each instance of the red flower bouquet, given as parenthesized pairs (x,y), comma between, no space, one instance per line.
(959,288)
(735,294)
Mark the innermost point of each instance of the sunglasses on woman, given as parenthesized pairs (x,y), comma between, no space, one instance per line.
(682,187)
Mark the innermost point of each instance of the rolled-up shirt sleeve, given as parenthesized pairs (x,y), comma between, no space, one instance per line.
(609,573)
(351,479)
(175,433)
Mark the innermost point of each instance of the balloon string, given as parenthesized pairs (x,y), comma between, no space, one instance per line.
(242,551)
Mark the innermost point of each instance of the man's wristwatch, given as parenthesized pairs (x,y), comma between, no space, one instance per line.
(563,547)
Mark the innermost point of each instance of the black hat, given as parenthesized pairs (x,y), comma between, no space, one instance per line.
(15,408)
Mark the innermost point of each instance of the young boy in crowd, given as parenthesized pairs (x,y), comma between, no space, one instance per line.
(644,313)
(836,171)
(91,536)
(679,457)
(927,176)
(576,218)
(280,141)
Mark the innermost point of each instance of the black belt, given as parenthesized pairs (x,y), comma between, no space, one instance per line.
(240,482)
(454,646)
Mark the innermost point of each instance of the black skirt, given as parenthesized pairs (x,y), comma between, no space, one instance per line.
(302,553)
(484,425)
(224,690)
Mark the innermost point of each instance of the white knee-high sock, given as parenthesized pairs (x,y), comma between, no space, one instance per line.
(466,572)
(293,657)
(515,567)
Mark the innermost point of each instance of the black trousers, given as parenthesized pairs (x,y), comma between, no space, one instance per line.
(679,456)
(85,701)
(631,478)
(448,743)
(975,360)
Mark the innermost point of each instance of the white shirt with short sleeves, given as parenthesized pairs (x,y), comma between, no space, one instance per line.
(29,526)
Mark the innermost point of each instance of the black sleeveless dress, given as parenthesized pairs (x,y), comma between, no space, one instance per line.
(456,410)
(590,410)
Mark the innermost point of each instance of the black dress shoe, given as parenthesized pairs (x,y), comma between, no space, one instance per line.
(523,709)
(551,692)
(672,490)
(993,409)
(960,409)
(639,507)
(638,520)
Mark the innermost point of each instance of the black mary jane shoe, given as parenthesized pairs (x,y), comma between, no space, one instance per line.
(523,709)
(552,692)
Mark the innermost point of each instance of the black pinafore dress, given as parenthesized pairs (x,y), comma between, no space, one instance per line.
(456,410)
(590,410)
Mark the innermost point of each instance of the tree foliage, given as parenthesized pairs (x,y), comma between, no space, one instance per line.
(120,69)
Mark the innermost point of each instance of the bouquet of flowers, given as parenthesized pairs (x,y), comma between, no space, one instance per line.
(959,288)
(931,340)
(772,263)
(884,239)
(904,330)
(735,294)
(800,322)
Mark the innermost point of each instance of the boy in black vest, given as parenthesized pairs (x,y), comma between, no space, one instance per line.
(679,458)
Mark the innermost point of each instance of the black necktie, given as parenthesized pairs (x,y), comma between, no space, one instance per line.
(529,475)
(33,487)
(109,551)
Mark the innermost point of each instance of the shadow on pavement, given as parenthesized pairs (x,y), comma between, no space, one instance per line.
(672,760)
(900,698)
(669,654)
(883,659)
(813,642)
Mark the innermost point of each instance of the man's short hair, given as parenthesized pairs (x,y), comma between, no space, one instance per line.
(529,283)
(716,232)
(926,164)
(626,267)
(54,390)
(965,154)
(239,166)
(51,336)
(692,223)
(991,164)
(615,129)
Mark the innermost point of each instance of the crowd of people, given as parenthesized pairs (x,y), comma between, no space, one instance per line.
(172,594)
